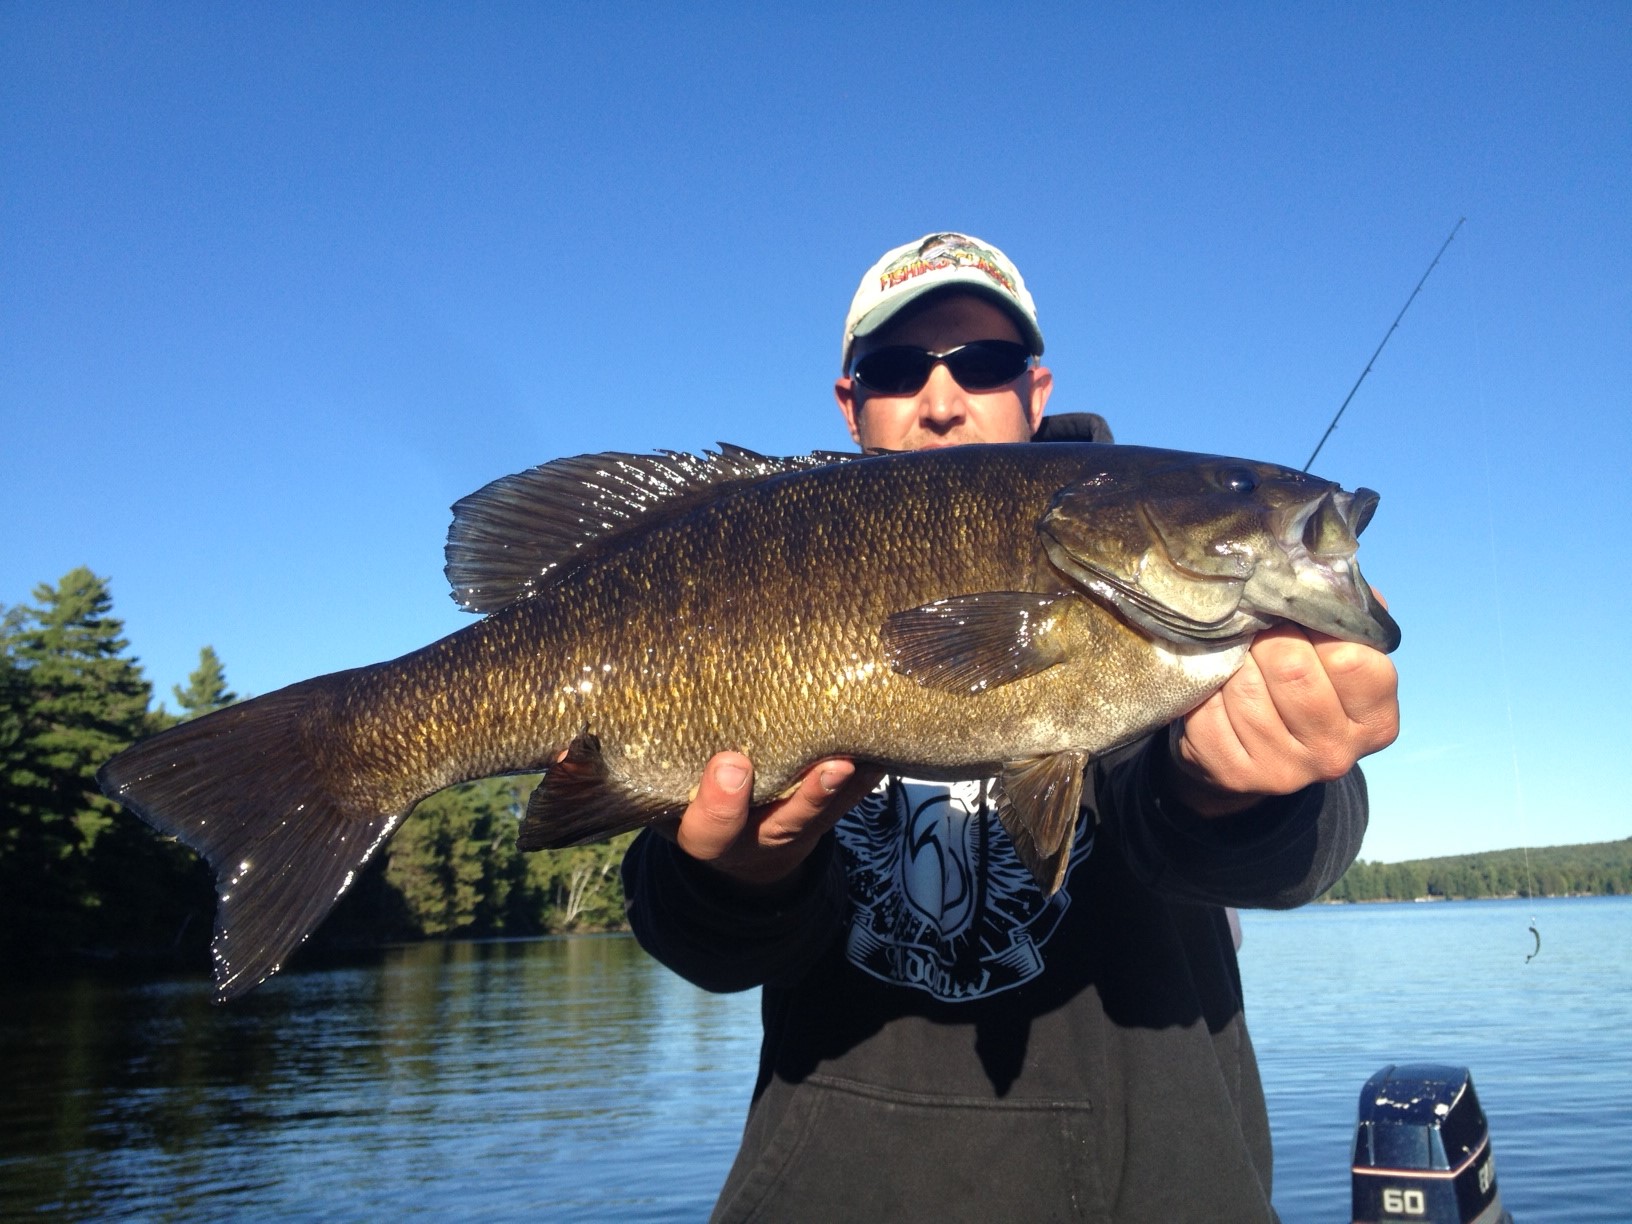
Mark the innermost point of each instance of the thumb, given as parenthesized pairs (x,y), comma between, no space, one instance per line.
(718,813)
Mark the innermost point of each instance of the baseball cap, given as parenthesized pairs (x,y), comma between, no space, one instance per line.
(933,263)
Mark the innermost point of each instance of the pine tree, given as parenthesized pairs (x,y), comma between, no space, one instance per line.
(206,688)
(73,699)
(455,864)
(25,845)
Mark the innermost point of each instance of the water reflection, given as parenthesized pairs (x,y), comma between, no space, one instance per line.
(503,1078)
(1336,992)
(574,1078)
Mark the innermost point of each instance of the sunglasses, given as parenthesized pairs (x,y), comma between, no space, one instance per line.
(981,365)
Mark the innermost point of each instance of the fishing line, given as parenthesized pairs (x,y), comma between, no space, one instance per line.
(1382,342)
(1501,626)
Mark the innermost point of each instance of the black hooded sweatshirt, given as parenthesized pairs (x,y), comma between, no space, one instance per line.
(943,1043)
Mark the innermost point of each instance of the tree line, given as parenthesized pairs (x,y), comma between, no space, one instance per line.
(81,877)
(1593,869)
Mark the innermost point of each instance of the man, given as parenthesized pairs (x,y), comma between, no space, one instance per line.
(941,1040)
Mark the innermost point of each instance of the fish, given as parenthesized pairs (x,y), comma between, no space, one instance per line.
(985,611)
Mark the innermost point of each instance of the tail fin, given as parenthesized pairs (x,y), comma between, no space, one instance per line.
(243,788)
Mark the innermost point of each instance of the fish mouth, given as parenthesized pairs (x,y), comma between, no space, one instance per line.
(1293,560)
(1317,582)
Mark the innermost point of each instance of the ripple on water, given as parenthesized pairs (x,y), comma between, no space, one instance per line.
(576,1079)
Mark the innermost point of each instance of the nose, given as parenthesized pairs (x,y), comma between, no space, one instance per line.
(941,403)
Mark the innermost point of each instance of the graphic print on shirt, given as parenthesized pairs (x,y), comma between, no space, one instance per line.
(939,899)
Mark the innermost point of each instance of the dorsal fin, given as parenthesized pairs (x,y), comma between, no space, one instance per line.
(506,537)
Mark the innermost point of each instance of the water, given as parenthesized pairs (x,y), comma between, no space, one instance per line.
(1336,992)
(553,1080)
(574,1079)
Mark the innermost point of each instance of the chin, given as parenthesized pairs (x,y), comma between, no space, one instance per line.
(963,438)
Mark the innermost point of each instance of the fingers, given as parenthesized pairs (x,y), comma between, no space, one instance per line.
(1303,708)
(718,813)
(827,791)
(842,786)
(761,846)
(1367,686)
(1291,710)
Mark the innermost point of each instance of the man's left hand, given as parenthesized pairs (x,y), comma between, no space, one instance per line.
(1303,708)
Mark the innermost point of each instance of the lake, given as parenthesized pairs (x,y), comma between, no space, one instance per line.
(1335,992)
(575,1079)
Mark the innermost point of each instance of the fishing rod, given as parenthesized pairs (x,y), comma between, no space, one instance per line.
(1382,342)
(1529,879)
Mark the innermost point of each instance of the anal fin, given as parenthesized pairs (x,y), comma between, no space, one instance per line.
(578,802)
(1038,800)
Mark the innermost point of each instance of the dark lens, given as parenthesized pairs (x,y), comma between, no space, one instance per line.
(981,365)
(987,364)
(898,370)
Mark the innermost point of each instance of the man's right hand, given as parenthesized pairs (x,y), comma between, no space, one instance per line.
(762,849)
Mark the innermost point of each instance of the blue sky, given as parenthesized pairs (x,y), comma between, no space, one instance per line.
(279,283)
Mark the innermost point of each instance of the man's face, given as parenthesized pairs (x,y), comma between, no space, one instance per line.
(942,413)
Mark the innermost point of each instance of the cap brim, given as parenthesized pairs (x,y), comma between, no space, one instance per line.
(978,285)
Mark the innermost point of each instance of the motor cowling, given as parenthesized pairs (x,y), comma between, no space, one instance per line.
(1422,1150)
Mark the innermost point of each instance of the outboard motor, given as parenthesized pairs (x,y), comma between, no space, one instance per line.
(1422,1150)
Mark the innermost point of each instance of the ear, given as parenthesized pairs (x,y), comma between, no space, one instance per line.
(1042,383)
(844,390)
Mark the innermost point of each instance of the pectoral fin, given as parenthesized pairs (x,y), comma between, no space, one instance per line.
(971,643)
(1037,801)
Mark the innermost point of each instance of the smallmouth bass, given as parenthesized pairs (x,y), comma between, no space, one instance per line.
(985,610)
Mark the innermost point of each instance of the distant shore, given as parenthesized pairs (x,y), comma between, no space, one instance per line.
(1593,869)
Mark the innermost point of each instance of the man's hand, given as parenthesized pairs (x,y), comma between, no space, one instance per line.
(762,849)
(1303,708)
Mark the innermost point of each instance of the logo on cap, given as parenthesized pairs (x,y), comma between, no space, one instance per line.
(940,251)
(945,259)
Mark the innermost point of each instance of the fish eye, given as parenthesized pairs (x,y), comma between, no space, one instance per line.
(1238,480)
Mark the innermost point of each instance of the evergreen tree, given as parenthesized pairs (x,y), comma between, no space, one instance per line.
(455,863)
(206,688)
(453,870)
(73,699)
(22,842)
(1548,871)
